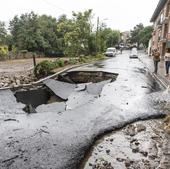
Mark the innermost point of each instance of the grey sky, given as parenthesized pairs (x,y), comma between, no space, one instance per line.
(117,14)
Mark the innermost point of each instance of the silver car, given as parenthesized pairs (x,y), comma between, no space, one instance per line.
(110,52)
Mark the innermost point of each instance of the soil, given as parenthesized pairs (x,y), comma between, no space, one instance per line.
(14,73)
(141,145)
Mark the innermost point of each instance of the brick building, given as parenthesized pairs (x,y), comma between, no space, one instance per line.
(161,23)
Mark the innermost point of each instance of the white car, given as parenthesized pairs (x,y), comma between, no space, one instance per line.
(110,52)
(134,53)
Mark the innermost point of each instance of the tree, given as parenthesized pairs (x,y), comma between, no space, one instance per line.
(78,37)
(107,38)
(48,33)
(26,33)
(64,26)
(3,32)
(135,38)
(9,42)
(145,35)
(113,38)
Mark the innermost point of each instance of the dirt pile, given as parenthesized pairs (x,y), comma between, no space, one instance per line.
(19,79)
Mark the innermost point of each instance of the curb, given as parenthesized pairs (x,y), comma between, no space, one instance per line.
(161,81)
(156,76)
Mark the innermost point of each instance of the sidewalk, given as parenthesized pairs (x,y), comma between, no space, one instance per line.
(148,62)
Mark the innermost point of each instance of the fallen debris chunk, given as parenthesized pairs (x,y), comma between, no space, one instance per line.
(96,88)
(61,89)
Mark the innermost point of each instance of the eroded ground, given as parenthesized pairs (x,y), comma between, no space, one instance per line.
(142,145)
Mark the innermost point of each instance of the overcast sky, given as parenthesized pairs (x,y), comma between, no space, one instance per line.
(117,14)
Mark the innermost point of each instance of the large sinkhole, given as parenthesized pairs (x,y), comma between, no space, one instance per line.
(62,89)
(86,76)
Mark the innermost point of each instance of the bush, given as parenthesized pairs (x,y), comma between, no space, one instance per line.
(3,52)
(43,68)
(60,62)
(72,61)
(82,59)
(99,56)
(55,64)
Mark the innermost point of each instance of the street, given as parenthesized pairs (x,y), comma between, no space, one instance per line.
(59,138)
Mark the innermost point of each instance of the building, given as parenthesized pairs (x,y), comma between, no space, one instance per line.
(125,38)
(161,22)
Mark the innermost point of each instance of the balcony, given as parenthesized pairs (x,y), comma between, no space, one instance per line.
(165,20)
(163,40)
(159,26)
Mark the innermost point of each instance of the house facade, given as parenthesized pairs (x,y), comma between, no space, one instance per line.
(161,22)
(125,37)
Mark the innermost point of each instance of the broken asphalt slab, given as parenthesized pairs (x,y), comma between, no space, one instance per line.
(61,89)
(9,104)
(96,88)
(52,107)
(66,138)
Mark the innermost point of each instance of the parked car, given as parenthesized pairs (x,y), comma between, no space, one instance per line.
(110,52)
(134,53)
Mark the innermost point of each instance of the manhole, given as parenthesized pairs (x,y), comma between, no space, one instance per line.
(86,76)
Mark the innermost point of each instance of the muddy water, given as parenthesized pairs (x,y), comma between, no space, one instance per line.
(139,145)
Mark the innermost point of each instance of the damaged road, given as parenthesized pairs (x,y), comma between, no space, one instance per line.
(61,132)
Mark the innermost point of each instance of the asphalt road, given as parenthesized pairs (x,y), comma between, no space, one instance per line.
(59,139)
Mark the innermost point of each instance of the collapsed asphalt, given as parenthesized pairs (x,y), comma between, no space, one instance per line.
(59,139)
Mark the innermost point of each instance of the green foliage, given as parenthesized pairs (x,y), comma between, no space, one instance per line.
(3,33)
(107,37)
(77,38)
(25,32)
(73,61)
(83,59)
(3,52)
(145,35)
(99,56)
(9,42)
(60,62)
(43,69)
(49,35)
(141,35)
(72,37)
(135,37)
(113,38)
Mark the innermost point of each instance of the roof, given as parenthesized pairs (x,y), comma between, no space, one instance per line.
(158,9)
